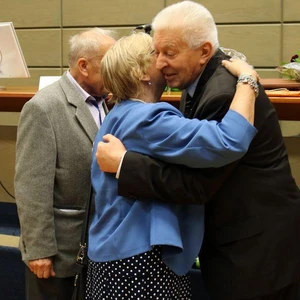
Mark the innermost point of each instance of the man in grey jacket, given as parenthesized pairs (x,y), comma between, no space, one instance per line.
(53,157)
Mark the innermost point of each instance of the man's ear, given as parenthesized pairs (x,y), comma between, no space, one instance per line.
(83,66)
(206,52)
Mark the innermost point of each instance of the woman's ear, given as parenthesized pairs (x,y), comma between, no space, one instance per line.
(206,52)
(146,77)
(83,66)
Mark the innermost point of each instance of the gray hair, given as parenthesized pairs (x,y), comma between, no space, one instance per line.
(124,64)
(87,43)
(193,21)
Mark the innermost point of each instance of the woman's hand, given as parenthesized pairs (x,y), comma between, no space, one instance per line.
(238,67)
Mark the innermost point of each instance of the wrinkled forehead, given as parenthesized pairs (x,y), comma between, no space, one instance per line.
(169,38)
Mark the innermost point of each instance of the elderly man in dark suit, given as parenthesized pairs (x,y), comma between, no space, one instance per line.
(53,158)
(251,248)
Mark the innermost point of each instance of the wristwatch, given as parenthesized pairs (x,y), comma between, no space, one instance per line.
(249,79)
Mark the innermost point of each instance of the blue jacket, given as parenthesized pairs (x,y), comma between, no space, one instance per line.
(122,227)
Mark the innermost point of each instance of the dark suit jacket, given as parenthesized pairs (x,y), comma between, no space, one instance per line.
(252,236)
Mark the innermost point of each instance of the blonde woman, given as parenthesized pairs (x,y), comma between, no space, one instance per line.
(144,249)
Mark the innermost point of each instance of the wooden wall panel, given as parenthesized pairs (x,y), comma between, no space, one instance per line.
(67,33)
(34,79)
(31,13)
(41,47)
(246,11)
(291,40)
(260,43)
(291,10)
(8,136)
(107,12)
(268,73)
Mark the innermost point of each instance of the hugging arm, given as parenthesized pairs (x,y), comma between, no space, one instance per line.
(147,178)
(144,177)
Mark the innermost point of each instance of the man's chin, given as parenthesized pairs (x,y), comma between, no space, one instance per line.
(173,85)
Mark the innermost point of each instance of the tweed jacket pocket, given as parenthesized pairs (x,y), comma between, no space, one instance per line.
(68,227)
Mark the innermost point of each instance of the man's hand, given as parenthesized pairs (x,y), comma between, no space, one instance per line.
(42,268)
(109,153)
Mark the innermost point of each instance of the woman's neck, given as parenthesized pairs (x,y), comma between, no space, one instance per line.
(150,94)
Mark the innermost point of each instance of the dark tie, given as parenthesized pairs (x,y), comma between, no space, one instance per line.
(188,105)
(96,104)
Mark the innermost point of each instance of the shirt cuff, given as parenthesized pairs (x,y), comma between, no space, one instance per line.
(120,166)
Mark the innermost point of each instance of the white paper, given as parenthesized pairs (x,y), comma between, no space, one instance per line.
(47,80)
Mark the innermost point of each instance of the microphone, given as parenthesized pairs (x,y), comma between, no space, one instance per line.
(146,27)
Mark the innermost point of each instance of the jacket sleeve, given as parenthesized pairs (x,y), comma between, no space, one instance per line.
(34,182)
(155,179)
(196,143)
(144,177)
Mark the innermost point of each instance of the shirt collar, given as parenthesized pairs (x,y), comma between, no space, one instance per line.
(192,88)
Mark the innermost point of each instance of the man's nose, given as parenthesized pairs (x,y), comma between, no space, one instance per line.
(160,62)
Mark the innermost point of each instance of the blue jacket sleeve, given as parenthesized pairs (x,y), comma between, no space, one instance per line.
(194,143)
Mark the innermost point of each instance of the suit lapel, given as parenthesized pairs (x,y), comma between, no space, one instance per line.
(183,101)
(209,70)
(81,110)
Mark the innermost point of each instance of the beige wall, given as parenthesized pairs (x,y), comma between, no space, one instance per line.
(265,31)
(7,161)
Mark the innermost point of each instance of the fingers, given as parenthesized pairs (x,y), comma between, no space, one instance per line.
(109,154)
(238,67)
(108,137)
(42,268)
(99,151)
(112,143)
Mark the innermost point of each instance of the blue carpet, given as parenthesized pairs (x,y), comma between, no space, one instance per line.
(12,274)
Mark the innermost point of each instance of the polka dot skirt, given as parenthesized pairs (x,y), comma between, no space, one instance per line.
(142,276)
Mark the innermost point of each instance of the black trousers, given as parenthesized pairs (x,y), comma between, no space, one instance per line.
(47,289)
(290,292)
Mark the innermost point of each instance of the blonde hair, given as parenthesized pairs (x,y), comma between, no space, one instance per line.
(124,65)
(192,20)
(86,44)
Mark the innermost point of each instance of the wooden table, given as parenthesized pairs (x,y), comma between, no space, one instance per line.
(12,99)
(288,108)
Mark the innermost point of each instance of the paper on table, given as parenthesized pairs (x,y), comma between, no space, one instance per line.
(282,92)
